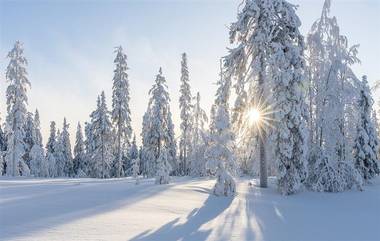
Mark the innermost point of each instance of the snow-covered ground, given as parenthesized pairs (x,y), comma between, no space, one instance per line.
(117,209)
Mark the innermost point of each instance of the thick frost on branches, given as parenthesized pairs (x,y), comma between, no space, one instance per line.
(121,113)
(17,100)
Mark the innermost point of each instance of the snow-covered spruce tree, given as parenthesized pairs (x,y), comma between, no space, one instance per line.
(79,162)
(29,137)
(219,152)
(332,95)
(136,169)
(198,139)
(163,167)
(121,113)
(39,165)
(17,100)
(101,127)
(158,128)
(132,154)
(50,153)
(253,33)
(366,142)
(185,126)
(66,151)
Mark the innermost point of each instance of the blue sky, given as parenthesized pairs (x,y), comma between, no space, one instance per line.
(69,45)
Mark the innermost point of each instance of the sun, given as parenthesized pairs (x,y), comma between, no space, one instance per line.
(254,116)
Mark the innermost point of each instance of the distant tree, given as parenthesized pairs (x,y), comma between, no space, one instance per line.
(185,109)
(50,153)
(219,152)
(39,165)
(366,146)
(59,156)
(80,165)
(3,148)
(198,139)
(66,151)
(17,100)
(29,137)
(133,154)
(101,128)
(121,113)
(158,128)
(136,169)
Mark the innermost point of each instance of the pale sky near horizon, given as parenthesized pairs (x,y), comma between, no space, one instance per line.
(69,45)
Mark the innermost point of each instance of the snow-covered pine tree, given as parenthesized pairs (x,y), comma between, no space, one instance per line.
(17,100)
(79,162)
(29,137)
(198,139)
(366,142)
(121,113)
(50,154)
(185,115)
(101,127)
(158,128)
(219,152)
(331,103)
(163,167)
(67,154)
(39,165)
(253,32)
(268,60)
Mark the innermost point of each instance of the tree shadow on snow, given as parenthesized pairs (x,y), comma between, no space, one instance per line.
(189,230)
(58,205)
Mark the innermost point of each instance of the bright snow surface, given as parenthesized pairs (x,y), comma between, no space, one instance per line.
(117,209)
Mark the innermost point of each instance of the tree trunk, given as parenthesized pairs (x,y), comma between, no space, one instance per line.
(263,162)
